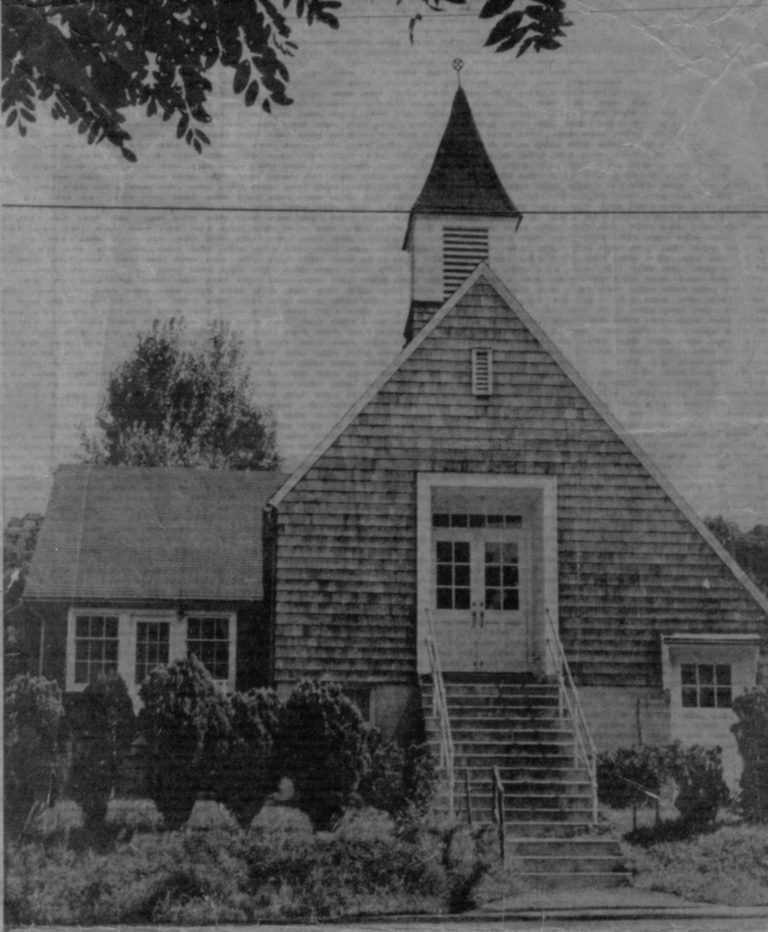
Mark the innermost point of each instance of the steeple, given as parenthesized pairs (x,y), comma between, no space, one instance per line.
(458,219)
(462,179)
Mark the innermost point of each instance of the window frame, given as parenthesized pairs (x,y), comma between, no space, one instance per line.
(92,615)
(699,686)
(128,621)
(229,617)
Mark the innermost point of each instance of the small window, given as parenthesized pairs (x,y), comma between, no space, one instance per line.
(208,640)
(482,372)
(152,647)
(706,685)
(96,647)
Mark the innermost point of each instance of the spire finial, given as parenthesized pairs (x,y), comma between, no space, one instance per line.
(457,64)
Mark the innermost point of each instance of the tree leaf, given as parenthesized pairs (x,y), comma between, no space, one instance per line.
(252,93)
(242,76)
(506,25)
(513,39)
(495,8)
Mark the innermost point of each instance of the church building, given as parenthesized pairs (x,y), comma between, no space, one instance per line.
(477,545)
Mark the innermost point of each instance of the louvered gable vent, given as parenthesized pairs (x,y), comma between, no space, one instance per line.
(482,372)
(464,248)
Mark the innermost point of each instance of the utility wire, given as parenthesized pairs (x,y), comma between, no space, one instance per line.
(169,208)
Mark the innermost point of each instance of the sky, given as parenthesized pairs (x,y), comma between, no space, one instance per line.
(637,153)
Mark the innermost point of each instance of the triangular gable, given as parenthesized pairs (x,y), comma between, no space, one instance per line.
(485,274)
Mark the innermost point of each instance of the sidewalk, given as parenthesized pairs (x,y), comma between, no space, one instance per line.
(614,902)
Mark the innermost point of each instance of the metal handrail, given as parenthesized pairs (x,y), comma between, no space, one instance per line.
(440,710)
(584,746)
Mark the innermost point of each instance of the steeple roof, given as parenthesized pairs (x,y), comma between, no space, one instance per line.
(462,179)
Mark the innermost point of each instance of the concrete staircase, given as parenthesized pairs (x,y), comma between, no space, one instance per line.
(513,723)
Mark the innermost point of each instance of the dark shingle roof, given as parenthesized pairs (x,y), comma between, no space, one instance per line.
(125,533)
(462,179)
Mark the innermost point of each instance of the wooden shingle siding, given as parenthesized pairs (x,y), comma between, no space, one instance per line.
(631,565)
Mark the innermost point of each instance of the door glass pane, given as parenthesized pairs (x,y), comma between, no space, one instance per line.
(511,600)
(502,585)
(452,574)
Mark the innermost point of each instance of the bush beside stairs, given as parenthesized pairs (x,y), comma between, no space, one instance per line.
(514,724)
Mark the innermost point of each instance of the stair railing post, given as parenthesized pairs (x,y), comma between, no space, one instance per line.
(498,810)
(440,710)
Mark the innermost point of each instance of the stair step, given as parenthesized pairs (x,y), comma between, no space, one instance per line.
(580,846)
(550,881)
(529,828)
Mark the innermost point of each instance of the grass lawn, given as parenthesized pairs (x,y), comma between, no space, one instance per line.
(728,865)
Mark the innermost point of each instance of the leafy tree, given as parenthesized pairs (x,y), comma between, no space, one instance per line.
(172,405)
(184,723)
(94,61)
(35,746)
(19,542)
(103,725)
(748,548)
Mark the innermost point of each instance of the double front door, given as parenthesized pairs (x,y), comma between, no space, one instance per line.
(481,594)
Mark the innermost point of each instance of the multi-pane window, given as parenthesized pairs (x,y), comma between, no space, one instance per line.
(96,647)
(453,574)
(208,640)
(502,580)
(152,647)
(443,519)
(706,685)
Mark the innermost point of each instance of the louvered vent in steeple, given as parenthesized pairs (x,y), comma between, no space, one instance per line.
(464,248)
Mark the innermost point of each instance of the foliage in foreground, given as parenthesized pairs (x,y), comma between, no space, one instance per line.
(634,776)
(727,866)
(322,749)
(103,724)
(35,746)
(751,732)
(279,869)
(95,62)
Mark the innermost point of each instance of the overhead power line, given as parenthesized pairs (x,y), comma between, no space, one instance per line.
(577,212)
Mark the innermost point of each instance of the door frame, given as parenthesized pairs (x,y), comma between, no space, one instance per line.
(537,495)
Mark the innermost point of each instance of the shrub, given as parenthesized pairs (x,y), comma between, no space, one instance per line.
(247,769)
(751,732)
(127,817)
(103,725)
(208,816)
(35,747)
(624,776)
(698,773)
(185,721)
(322,749)
(280,825)
(394,777)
